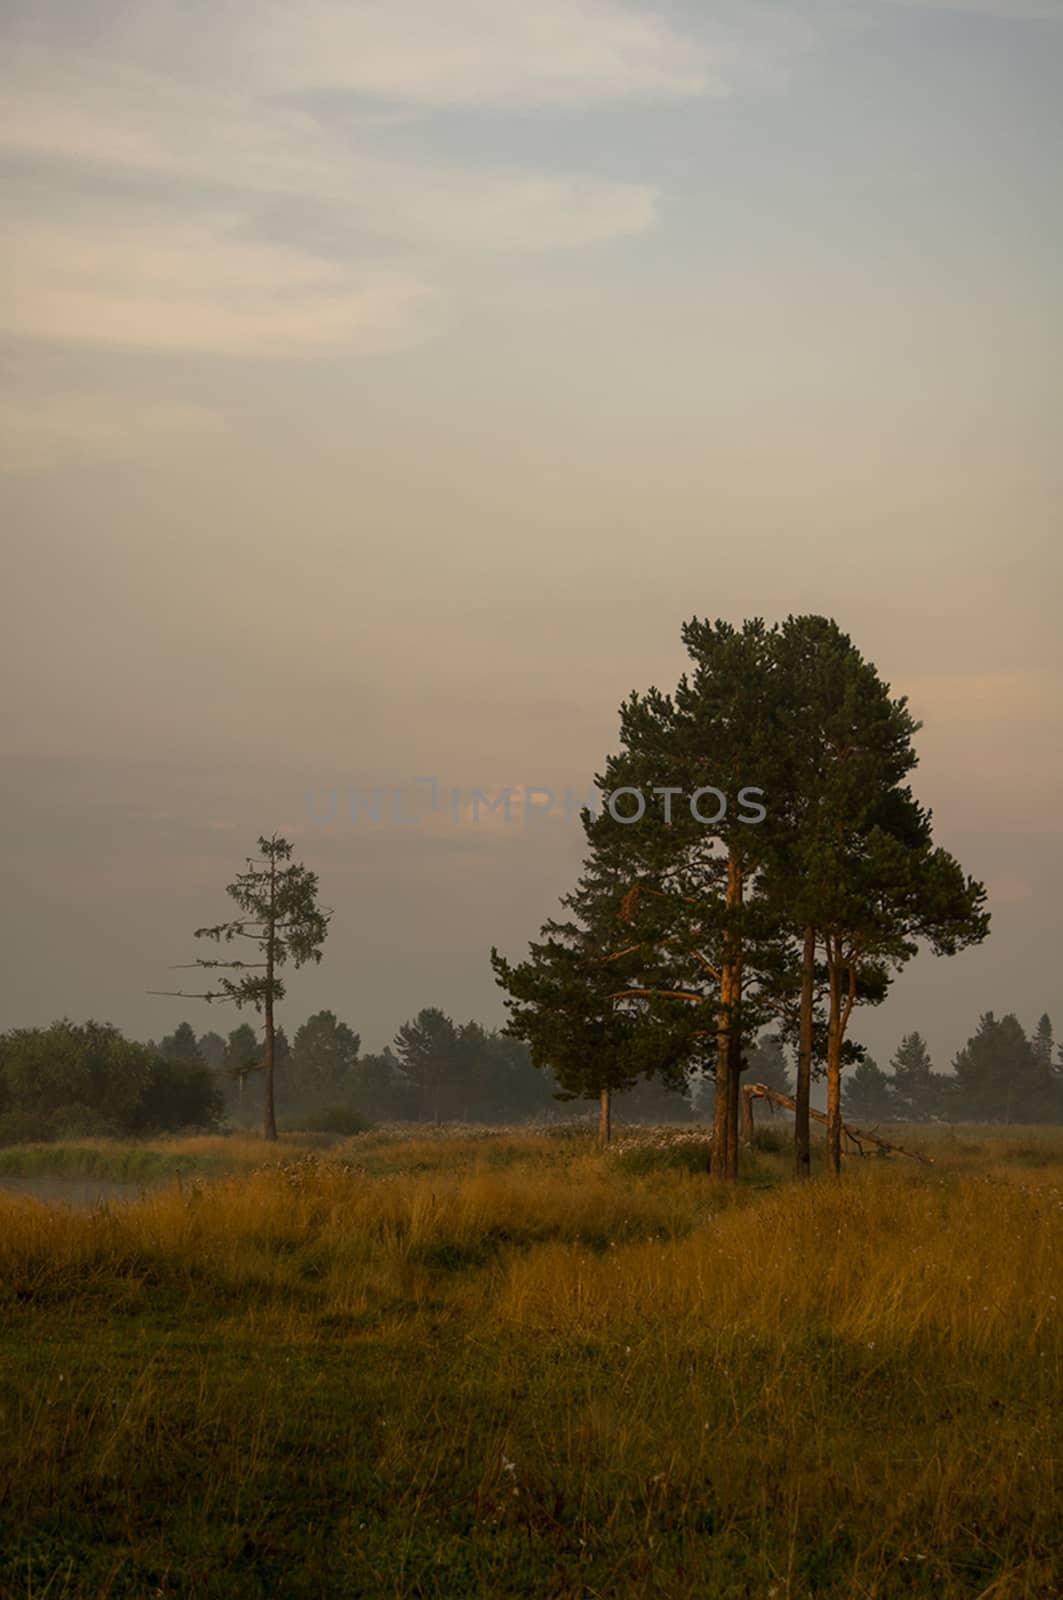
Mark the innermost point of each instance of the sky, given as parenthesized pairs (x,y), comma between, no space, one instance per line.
(385,384)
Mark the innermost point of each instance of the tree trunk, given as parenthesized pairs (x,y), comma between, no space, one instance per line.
(834,1064)
(734,1081)
(840,965)
(724,1155)
(270,1118)
(718,1152)
(747,1119)
(604,1119)
(803,1087)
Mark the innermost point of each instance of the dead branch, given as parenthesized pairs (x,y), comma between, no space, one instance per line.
(760,1091)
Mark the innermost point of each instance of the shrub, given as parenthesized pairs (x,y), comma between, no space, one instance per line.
(25,1127)
(342,1120)
(179,1096)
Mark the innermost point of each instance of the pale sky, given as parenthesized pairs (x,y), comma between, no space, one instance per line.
(387,382)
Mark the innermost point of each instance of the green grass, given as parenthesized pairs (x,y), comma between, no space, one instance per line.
(483,1367)
(149,1161)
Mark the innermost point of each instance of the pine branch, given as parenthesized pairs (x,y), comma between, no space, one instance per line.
(662,994)
(179,965)
(181,994)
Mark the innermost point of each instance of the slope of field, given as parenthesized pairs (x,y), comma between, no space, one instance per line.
(508,1365)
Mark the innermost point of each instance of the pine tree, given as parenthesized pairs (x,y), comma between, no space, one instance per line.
(697,919)
(867,1095)
(913,1080)
(573,1003)
(858,870)
(1042,1041)
(427,1049)
(212,1049)
(999,1077)
(323,1054)
(181,1045)
(281,916)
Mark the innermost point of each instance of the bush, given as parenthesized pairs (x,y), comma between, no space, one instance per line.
(25,1127)
(179,1096)
(71,1069)
(82,1122)
(21,1126)
(84,1080)
(688,1156)
(342,1120)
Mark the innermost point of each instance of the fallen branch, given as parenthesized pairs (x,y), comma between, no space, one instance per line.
(774,1097)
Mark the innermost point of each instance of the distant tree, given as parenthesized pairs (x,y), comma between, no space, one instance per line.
(324,1052)
(867,1094)
(999,1077)
(212,1049)
(914,1088)
(242,1067)
(242,1049)
(473,1090)
(447,1071)
(379,1089)
(654,1100)
(515,1088)
(281,916)
(920,1093)
(427,1049)
(181,1045)
(243,1057)
(282,1050)
(286,1092)
(1042,1041)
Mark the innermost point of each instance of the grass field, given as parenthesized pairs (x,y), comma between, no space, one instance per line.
(500,1365)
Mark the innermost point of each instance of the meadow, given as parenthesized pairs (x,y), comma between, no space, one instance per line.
(493,1364)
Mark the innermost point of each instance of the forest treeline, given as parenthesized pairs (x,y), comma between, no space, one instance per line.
(86,1079)
(79,1080)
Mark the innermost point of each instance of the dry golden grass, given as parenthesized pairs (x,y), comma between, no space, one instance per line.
(510,1365)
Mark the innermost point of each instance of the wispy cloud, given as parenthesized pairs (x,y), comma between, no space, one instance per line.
(193,285)
(122,120)
(476,51)
(467,52)
(217,118)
